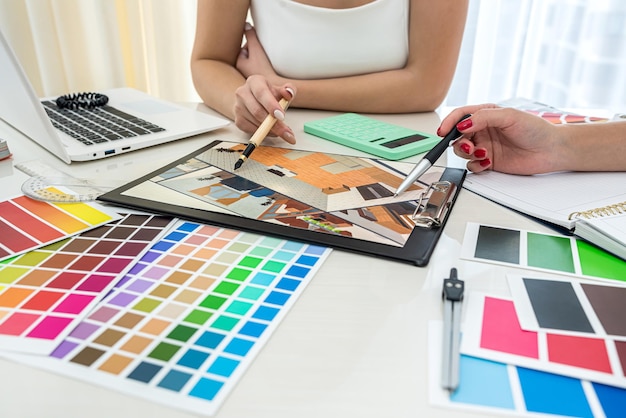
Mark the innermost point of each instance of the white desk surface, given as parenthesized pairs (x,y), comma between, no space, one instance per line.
(354,344)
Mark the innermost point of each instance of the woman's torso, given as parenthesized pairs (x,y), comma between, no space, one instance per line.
(307,42)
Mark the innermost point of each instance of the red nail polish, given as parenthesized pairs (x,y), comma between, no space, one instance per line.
(465,148)
(439,131)
(485,163)
(480,153)
(464,124)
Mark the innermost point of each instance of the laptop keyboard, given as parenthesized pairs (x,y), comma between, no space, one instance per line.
(102,124)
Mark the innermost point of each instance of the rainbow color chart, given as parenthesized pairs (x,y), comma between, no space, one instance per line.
(26,224)
(183,324)
(45,292)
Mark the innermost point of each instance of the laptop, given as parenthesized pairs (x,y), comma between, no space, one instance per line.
(131,119)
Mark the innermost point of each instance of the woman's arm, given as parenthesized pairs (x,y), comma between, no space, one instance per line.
(593,147)
(219,33)
(517,142)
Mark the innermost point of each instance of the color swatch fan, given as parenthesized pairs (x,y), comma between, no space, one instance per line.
(27,224)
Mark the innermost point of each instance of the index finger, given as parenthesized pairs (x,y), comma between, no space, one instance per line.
(450,121)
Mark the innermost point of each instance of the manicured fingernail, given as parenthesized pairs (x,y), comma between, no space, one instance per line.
(279,115)
(289,137)
(465,148)
(290,90)
(485,163)
(248,26)
(480,153)
(464,124)
(439,131)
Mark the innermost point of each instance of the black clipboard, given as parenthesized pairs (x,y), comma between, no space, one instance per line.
(417,248)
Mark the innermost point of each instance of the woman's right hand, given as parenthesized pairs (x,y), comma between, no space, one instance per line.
(257,98)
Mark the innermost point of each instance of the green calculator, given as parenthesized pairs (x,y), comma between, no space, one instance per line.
(373,136)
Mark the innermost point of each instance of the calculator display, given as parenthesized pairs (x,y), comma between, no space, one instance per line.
(404,141)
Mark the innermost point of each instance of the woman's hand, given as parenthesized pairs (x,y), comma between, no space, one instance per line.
(256,99)
(253,60)
(505,139)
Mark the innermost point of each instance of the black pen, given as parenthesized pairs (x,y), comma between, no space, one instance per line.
(260,134)
(430,158)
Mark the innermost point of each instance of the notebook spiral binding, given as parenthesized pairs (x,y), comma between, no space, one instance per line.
(608,210)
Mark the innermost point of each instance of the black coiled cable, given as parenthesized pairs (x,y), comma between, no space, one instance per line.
(82,101)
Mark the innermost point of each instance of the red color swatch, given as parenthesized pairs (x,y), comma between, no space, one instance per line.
(584,352)
(33,226)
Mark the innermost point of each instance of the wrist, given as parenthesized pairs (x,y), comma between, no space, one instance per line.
(565,154)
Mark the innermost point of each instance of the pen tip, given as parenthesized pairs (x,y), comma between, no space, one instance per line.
(238,164)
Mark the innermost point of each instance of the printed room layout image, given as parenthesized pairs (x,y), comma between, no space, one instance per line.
(302,189)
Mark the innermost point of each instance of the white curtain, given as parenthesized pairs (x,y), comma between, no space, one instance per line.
(566,53)
(89,45)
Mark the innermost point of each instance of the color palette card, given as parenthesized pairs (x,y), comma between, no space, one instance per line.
(550,113)
(26,224)
(487,386)
(539,251)
(184,323)
(571,307)
(45,292)
(492,331)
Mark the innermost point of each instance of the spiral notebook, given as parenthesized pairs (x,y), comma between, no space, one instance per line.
(606,229)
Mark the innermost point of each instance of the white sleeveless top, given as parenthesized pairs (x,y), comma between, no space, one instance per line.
(309,42)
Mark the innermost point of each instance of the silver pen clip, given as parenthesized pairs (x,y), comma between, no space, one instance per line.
(434,204)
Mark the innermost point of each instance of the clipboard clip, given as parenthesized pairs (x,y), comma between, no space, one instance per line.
(434,204)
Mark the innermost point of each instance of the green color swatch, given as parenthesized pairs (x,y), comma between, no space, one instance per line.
(599,263)
(164,351)
(226,288)
(238,274)
(550,252)
(198,316)
(212,302)
(182,333)
(251,262)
